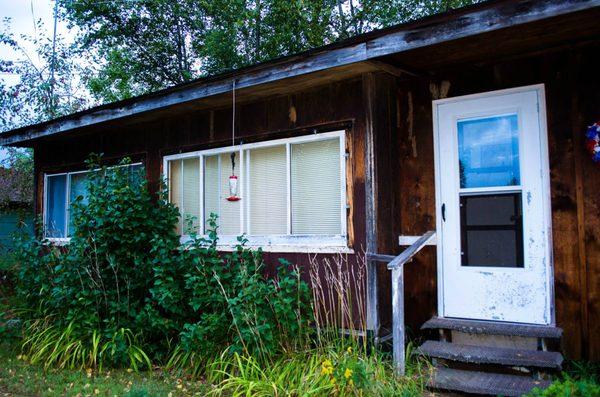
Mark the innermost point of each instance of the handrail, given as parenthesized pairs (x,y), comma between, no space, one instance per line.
(396,265)
(408,253)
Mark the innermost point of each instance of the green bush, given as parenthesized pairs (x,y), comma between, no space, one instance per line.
(124,272)
(569,387)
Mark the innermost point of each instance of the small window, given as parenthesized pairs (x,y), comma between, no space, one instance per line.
(288,190)
(61,191)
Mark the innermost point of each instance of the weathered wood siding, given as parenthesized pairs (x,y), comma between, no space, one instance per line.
(408,189)
(330,107)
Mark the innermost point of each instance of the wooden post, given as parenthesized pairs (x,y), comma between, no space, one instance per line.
(368,86)
(398,318)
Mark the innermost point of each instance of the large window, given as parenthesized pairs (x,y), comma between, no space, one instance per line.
(291,191)
(60,190)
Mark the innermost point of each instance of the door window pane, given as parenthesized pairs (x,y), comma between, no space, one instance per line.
(489,152)
(491,230)
(316,181)
(267,191)
(56,201)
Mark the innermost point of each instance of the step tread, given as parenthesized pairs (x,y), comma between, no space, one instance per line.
(492,355)
(493,328)
(483,382)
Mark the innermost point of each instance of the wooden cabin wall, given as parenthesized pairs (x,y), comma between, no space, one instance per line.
(327,108)
(572,86)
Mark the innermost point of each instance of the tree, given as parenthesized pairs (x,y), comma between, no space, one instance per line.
(48,84)
(145,45)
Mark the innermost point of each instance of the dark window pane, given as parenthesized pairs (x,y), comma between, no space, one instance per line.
(491,230)
(56,200)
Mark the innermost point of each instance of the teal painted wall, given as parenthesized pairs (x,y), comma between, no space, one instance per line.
(9,221)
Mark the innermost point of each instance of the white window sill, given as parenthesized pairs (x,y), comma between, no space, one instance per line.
(286,244)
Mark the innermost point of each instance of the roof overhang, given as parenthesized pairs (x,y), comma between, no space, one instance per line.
(338,60)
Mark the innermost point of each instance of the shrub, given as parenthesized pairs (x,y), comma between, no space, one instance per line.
(125,273)
(569,387)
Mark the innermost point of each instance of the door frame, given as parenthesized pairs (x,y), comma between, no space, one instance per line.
(546,195)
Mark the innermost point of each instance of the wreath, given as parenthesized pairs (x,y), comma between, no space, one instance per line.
(593,141)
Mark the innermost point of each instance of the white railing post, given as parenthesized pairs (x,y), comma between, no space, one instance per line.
(396,265)
(398,319)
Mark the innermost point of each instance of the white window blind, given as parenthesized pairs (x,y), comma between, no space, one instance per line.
(211,187)
(316,181)
(191,195)
(290,188)
(267,187)
(229,213)
(175,190)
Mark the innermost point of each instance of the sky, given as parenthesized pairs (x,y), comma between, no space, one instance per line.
(22,14)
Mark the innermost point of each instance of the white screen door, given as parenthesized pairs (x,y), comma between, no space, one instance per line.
(493,210)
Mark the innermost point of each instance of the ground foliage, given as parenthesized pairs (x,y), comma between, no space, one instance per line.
(124,292)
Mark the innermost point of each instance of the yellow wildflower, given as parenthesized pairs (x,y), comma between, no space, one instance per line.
(349,350)
(327,367)
(129,370)
(348,373)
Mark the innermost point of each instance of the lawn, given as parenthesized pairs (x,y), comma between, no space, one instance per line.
(18,378)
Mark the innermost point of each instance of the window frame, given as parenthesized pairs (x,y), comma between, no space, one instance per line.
(275,243)
(66,239)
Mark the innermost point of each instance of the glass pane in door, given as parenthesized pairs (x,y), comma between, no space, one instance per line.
(488,150)
(491,230)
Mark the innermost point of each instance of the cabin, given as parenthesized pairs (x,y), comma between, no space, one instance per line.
(455,155)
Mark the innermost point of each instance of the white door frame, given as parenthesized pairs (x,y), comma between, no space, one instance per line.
(546,194)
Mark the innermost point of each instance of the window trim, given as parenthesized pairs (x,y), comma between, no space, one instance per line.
(275,243)
(66,239)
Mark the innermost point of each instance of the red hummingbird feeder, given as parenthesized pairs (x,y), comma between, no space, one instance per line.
(233,182)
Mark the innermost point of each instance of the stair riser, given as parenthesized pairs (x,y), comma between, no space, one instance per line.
(537,373)
(504,341)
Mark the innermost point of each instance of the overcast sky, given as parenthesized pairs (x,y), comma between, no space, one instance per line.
(22,14)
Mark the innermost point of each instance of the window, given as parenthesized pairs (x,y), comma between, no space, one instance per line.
(60,191)
(292,191)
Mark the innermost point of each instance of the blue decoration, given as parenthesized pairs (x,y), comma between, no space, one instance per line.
(593,141)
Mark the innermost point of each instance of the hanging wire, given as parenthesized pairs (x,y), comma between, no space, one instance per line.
(233,117)
(233,130)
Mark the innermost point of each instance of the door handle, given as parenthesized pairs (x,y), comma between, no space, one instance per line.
(444,212)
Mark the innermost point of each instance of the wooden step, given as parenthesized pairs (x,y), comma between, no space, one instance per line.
(483,382)
(491,355)
(493,328)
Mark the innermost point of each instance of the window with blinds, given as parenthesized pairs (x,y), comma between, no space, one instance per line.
(287,189)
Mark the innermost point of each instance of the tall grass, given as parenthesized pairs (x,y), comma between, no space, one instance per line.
(63,347)
(335,360)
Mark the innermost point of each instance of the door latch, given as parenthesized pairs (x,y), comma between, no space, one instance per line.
(444,212)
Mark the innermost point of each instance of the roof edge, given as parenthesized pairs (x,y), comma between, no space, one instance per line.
(451,25)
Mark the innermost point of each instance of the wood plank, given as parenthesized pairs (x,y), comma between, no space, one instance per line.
(408,253)
(399,327)
(484,382)
(493,328)
(369,102)
(492,355)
